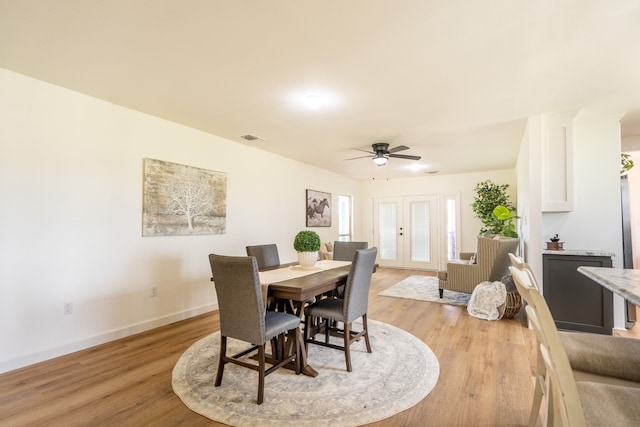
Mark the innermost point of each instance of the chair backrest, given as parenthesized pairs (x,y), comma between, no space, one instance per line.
(493,258)
(563,389)
(356,291)
(266,255)
(519,263)
(239,294)
(344,251)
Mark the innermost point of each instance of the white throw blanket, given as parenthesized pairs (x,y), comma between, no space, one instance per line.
(487,301)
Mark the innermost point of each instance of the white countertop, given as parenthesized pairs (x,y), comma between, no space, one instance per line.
(624,282)
(579,252)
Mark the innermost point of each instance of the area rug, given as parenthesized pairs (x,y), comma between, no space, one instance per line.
(399,373)
(425,288)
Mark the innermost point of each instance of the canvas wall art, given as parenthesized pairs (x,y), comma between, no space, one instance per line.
(318,209)
(182,200)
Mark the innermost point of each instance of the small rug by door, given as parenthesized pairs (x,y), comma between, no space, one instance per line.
(400,372)
(425,288)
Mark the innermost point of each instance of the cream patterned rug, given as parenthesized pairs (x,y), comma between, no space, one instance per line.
(425,288)
(399,373)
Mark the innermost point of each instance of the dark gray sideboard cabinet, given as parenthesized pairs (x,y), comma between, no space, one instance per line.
(576,302)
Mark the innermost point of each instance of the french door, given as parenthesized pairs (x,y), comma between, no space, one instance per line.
(405,231)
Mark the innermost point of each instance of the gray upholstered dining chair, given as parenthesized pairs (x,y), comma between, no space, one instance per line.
(243,317)
(353,306)
(266,255)
(344,251)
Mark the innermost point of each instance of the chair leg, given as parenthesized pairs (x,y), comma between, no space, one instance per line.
(299,344)
(261,363)
(441,292)
(347,345)
(308,325)
(221,362)
(326,330)
(366,332)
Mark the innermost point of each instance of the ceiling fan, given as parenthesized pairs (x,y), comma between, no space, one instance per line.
(381,153)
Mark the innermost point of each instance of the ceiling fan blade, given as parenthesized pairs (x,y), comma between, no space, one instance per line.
(398,148)
(405,156)
(359,157)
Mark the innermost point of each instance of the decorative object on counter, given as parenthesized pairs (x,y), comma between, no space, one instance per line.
(489,197)
(307,244)
(555,244)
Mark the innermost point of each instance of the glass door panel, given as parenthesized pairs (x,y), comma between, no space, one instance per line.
(386,236)
(421,237)
(405,231)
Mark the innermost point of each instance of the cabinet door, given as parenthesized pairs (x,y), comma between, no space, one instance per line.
(576,302)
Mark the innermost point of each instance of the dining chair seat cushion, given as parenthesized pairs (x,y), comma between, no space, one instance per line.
(276,323)
(329,308)
(603,354)
(609,405)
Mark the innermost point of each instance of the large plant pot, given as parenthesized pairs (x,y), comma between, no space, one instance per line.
(307,259)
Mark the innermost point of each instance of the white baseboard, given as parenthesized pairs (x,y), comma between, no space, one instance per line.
(41,356)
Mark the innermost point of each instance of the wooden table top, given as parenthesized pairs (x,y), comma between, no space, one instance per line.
(309,286)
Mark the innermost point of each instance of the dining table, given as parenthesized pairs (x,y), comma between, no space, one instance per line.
(300,285)
(622,281)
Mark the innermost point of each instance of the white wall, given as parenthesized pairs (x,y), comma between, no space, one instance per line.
(529,186)
(596,221)
(70,219)
(462,184)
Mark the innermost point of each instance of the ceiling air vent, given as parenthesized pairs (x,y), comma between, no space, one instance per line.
(251,137)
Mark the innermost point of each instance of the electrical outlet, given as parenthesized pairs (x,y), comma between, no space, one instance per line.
(154,291)
(68,308)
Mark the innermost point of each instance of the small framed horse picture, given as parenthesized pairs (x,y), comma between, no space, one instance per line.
(318,209)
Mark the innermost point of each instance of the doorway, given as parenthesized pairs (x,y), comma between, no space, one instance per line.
(406,231)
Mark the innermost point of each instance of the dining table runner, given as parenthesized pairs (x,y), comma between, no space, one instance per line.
(295,271)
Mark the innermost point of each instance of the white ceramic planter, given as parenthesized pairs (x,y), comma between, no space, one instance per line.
(307,259)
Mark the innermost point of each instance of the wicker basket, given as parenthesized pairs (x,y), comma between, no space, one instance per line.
(512,304)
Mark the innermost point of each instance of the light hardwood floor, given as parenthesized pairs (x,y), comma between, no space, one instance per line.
(485,372)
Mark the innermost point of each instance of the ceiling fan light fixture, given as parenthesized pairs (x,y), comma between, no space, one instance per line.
(380,160)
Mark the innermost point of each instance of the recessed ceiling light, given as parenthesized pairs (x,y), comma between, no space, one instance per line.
(313,101)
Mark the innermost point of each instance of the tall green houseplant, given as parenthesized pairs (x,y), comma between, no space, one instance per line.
(492,206)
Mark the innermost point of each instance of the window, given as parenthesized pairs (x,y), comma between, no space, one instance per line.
(344,218)
(450,226)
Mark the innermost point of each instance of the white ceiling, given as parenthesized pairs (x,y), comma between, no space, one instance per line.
(454,80)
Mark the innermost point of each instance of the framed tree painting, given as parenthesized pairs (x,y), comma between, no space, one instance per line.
(182,200)
(318,209)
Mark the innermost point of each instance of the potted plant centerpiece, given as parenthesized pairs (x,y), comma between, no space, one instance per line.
(307,244)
